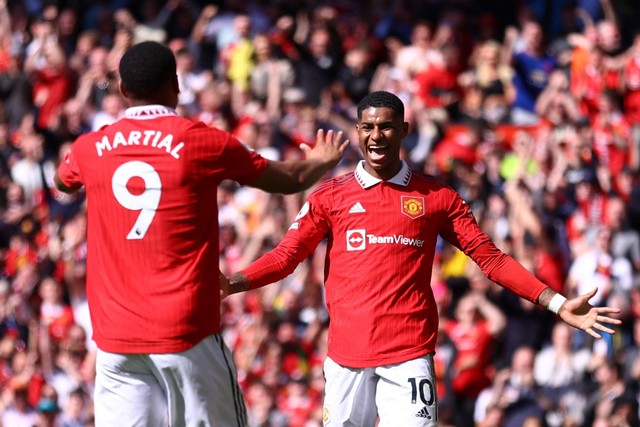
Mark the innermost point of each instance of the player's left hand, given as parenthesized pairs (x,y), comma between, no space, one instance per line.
(578,313)
(329,147)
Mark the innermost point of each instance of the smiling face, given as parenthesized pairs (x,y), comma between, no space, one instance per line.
(380,135)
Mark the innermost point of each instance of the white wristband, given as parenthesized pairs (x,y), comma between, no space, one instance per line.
(555,303)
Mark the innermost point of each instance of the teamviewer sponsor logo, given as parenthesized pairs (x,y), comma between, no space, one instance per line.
(356,240)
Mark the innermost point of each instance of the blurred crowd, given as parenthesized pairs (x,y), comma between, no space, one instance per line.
(530,109)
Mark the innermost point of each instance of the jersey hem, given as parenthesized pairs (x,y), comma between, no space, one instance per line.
(380,360)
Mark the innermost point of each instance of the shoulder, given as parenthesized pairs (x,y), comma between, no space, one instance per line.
(431,182)
(88,138)
(328,186)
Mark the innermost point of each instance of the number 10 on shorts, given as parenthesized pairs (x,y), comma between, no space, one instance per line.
(423,391)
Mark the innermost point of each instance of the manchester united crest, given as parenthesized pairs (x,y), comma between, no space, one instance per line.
(325,416)
(412,206)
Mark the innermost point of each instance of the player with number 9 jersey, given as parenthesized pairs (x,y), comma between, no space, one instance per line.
(151,179)
(153,282)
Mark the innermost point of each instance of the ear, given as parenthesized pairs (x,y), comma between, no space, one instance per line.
(176,85)
(123,90)
(405,128)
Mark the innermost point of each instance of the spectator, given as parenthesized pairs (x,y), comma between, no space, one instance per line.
(16,90)
(30,169)
(56,316)
(76,412)
(612,137)
(237,59)
(476,325)
(609,387)
(262,407)
(515,392)
(559,367)
(192,80)
(271,76)
(419,54)
(97,82)
(52,84)
(47,408)
(532,68)
(316,65)
(437,86)
(631,97)
(18,412)
(625,241)
(596,268)
(112,110)
(487,72)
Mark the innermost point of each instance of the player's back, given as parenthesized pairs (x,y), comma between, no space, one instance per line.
(151,182)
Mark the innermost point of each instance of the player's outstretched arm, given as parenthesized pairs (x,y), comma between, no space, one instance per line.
(292,176)
(578,313)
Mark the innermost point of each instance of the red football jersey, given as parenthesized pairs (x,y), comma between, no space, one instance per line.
(152,226)
(381,245)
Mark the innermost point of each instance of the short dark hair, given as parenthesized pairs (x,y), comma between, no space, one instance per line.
(145,68)
(382,99)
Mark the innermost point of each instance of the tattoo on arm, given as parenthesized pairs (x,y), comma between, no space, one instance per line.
(238,282)
(545,297)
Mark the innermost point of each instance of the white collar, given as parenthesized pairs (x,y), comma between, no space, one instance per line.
(145,112)
(366,180)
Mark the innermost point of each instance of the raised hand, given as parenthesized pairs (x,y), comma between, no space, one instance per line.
(578,313)
(329,146)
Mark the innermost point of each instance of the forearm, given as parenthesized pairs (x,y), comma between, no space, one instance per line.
(238,282)
(505,271)
(291,176)
(307,172)
(271,267)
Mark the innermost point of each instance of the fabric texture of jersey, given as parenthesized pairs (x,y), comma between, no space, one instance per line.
(152,262)
(381,240)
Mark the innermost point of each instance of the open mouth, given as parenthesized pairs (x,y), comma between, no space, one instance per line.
(377,152)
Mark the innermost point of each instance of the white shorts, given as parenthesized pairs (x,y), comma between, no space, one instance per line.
(402,395)
(197,387)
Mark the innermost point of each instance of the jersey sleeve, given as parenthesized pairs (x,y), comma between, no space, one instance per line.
(462,231)
(69,171)
(309,228)
(245,165)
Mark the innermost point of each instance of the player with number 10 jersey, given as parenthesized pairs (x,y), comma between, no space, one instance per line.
(150,298)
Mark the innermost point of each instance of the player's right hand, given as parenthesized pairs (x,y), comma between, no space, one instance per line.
(224,286)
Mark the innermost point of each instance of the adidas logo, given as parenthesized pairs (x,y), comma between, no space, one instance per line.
(423,413)
(357,208)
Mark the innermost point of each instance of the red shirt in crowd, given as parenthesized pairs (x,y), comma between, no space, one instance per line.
(381,245)
(152,230)
(473,357)
(632,89)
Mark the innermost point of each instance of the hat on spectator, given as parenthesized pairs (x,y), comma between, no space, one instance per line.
(48,405)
